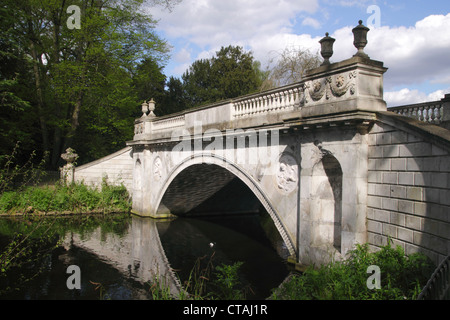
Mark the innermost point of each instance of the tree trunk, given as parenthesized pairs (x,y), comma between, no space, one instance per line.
(57,135)
(40,100)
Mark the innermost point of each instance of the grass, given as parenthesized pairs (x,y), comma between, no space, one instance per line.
(75,198)
(402,277)
(205,282)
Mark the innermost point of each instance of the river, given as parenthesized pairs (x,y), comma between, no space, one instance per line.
(119,255)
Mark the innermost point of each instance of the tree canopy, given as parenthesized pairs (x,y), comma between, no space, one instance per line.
(74,74)
(232,72)
(64,86)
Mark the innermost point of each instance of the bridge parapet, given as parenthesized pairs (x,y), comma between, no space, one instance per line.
(435,112)
(355,84)
(282,99)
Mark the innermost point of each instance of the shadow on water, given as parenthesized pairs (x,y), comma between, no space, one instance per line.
(117,259)
(228,239)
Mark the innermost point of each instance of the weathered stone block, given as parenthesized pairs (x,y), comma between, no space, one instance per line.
(389,204)
(431,163)
(436,151)
(417,149)
(414,193)
(444,164)
(391,151)
(405,234)
(398,191)
(397,219)
(383,164)
(398,164)
(399,137)
(383,138)
(390,177)
(420,208)
(390,230)
(406,178)
(414,164)
(382,190)
(444,196)
(375,152)
(413,222)
(413,138)
(405,206)
(374,177)
(374,226)
(381,215)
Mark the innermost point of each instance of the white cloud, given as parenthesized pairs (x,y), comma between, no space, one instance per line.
(406,96)
(413,55)
(311,22)
(219,23)
(183,56)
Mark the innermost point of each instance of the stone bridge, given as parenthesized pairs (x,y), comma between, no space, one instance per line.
(326,160)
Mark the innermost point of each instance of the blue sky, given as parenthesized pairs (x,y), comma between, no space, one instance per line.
(411,37)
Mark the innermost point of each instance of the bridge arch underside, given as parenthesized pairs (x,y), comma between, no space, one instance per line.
(205,187)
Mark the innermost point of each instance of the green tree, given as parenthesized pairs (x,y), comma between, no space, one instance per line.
(232,72)
(76,81)
(174,97)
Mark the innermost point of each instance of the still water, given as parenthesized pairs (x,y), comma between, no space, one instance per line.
(120,255)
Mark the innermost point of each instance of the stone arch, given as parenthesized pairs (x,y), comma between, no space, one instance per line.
(326,205)
(234,169)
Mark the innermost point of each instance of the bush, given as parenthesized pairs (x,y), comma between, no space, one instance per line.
(58,198)
(402,277)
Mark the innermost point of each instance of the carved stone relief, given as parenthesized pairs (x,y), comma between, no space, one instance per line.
(287,173)
(157,168)
(331,87)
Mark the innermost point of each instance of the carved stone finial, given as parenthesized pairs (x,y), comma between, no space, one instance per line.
(360,39)
(144,109)
(326,48)
(70,156)
(67,172)
(151,107)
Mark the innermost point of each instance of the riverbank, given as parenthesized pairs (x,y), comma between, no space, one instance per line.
(64,199)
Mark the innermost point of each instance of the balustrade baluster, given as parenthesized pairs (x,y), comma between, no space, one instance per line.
(283,100)
(277,101)
(439,113)
(426,115)
(291,98)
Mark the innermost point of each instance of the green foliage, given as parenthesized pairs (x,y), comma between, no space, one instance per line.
(79,81)
(227,284)
(59,198)
(229,74)
(402,277)
(16,173)
(205,282)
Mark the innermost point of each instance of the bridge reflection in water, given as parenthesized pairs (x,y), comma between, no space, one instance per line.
(169,249)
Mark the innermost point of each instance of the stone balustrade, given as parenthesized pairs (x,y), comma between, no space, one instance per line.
(429,112)
(435,112)
(169,123)
(279,100)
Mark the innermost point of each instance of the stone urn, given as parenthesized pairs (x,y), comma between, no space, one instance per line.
(326,51)
(67,172)
(360,39)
